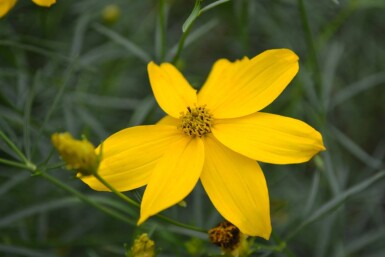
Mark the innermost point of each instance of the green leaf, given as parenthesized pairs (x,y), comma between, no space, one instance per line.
(129,45)
(333,204)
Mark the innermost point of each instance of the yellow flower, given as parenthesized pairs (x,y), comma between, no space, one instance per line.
(214,136)
(6,5)
(79,155)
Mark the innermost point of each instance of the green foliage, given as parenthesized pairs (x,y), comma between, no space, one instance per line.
(66,69)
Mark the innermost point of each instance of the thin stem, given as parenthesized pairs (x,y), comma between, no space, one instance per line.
(66,80)
(130,201)
(15,164)
(32,167)
(213,5)
(186,28)
(282,246)
(14,147)
(181,44)
(310,43)
(243,23)
(85,199)
(162,30)
(27,115)
(55,166)
(179,224)
(119,194)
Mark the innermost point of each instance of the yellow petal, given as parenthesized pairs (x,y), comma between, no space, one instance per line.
(246,86)
(174,177)
(5,6)
(130,155)
(46,3)
(172,91)
(269,138)
(168,120)
(236,186)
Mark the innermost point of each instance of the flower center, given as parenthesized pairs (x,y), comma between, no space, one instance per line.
(196,121)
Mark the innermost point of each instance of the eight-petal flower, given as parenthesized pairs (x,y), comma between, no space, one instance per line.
(215,136)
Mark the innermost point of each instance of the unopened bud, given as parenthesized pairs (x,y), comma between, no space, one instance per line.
(143,247)
(110,13)
(79,155)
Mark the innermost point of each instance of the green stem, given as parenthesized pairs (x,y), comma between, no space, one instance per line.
(179,224)
(15,164)
(14,147)
(186,28)
(66,79)
(119,194)
(130,201)
(282,245)
(213,5)
(55,166)
(310,43)
(162,30)
(181,44)
(85,199)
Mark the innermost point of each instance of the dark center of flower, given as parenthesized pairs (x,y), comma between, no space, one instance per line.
(196,121)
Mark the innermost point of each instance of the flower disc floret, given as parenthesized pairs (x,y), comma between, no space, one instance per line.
(196,121)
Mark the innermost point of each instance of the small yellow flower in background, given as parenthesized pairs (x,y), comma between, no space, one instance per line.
(215,136)
(111,13)
(79,155)
(143,247)
(6,5)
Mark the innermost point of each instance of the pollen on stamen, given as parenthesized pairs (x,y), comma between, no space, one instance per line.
(196,121)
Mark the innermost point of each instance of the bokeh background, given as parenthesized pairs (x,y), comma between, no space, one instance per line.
(75,67)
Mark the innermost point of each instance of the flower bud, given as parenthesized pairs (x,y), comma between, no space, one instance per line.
(79,155)
(110,13)
(143,247)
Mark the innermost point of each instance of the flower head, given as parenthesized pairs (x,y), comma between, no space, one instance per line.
(215,136)
(79,155)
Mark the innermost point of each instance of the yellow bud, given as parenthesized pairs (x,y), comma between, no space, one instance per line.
(110,13)
(182,203)
(143,247)
(79,155)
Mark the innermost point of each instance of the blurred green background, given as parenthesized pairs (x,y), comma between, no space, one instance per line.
(71,68)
